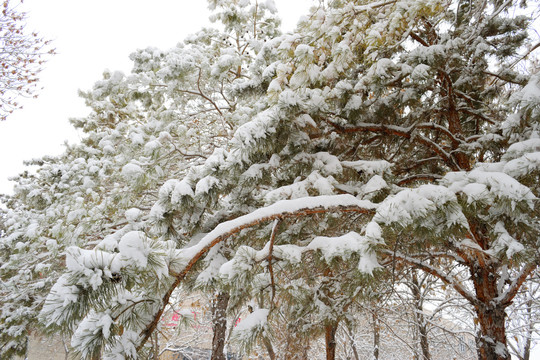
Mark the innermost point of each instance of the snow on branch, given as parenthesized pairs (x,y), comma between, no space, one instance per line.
(404,132)
(508,295)
(187,258)
(280,210)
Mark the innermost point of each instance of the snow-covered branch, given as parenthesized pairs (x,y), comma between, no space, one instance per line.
(280,210)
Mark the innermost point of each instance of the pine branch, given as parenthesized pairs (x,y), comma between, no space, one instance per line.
(279,211)
(270,250)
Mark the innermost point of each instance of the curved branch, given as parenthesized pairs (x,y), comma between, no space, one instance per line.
(270,250)
(435,272)
(405,133)
(419,177)
(507,297)
(278,211)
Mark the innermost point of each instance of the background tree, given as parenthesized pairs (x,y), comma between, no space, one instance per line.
(22,55)
(523,331)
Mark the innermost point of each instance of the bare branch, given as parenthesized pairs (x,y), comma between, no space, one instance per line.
(435,272)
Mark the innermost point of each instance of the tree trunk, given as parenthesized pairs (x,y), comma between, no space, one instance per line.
(485,274)
(420,320)
(376,335)
(269,349)
(330,338)
(219,325)
(66,348)
(155,346)
(351,341)
(424,344)
(530,330)
(491,339)
(490,312)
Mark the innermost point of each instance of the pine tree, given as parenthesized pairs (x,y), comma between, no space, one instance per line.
(398,102)
(168,115)
(377,135)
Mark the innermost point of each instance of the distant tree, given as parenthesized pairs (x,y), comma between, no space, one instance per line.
(22,55)
(523,320)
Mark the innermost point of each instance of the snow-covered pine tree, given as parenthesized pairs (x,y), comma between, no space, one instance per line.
(393,131)
(168,115)
(426,87)
(419,107)
(448,125)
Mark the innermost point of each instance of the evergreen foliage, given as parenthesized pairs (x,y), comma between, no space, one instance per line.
(294,173)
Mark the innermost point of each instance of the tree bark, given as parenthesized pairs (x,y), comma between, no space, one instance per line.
(376,335)
(269,349)
(490,312)
(66,348)
(424,344)
(490,304)
(420,320)
(330,339)
(491,339)
(219,325)
(530,330)
(155,346)
(351,341)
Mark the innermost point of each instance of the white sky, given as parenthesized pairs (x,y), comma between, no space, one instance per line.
(90,36)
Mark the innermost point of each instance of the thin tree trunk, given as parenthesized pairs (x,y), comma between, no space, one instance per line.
(269,349)
(424,344)
(66,349)
(219,325)
(530,330)
(376,335)
(27,344)
(351,342)
(419,316)
(155,347)
(330,339)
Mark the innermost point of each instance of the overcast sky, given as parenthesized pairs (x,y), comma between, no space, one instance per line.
(91,36)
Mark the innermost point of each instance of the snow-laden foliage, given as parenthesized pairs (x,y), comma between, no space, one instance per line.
(168,115)
(295,173)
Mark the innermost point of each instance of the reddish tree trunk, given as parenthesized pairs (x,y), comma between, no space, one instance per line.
(491,339)
(330,338)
